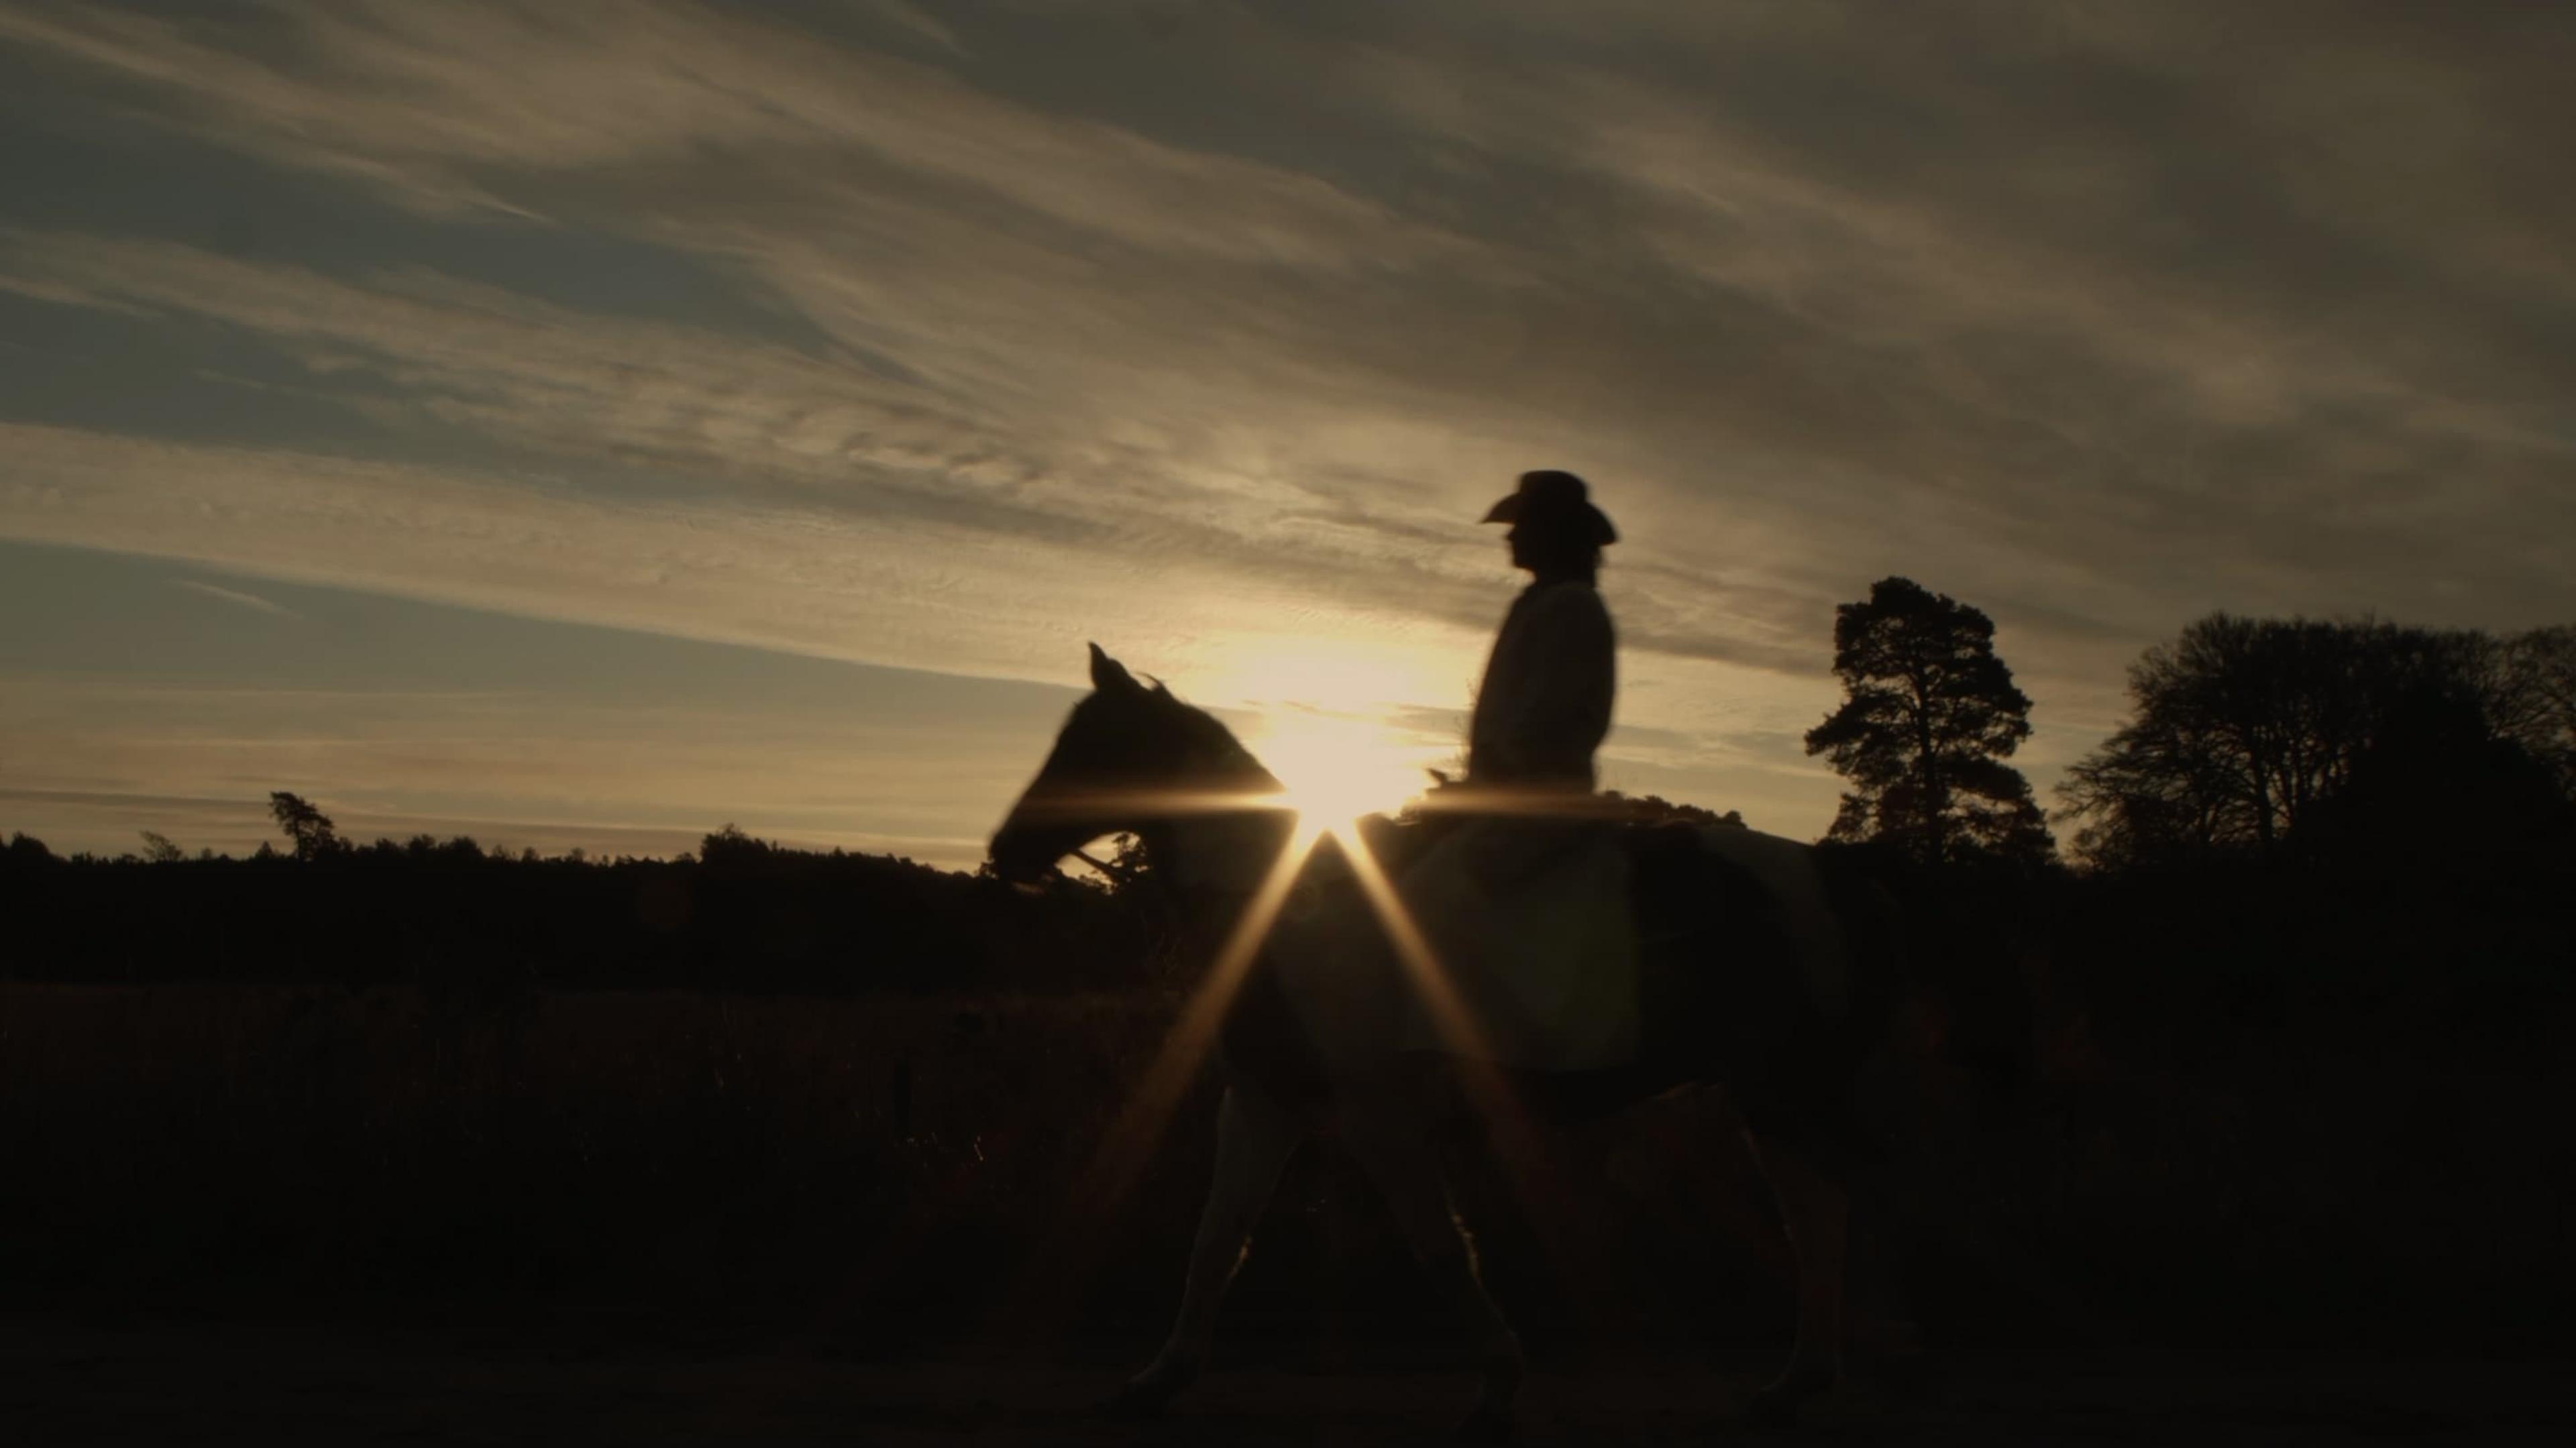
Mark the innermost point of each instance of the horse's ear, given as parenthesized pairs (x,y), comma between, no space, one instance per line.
(1107,674)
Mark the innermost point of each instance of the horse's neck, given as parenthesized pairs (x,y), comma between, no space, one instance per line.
(1221,854)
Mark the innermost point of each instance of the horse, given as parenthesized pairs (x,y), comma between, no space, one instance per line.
(1733,1004)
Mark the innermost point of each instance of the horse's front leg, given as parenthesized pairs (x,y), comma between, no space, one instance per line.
(1254,1139)
(1394,1148)
(1817,1212)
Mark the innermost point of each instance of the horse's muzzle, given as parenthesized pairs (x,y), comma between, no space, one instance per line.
(1020,860)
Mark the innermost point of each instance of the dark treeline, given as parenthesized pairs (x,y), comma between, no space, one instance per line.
(2336,742)
(740,914)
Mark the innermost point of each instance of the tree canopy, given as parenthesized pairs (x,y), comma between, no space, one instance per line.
(1929,715)
(306,827)
(2249,733)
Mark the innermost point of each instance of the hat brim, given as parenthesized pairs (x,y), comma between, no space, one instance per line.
(1583,517)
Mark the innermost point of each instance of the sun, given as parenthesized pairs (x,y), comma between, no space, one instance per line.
(1337,770)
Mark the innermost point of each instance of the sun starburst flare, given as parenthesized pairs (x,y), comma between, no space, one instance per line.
(1149,1108)
(1334,772)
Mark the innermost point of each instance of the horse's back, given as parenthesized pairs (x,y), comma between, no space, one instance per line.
(1766,972)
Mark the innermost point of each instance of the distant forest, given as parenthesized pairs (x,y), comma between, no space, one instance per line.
(740,914)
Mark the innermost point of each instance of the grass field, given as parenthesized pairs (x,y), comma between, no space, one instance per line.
(161,1383)
(899,1170)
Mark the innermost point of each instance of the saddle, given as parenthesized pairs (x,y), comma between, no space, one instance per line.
(1569,934)
(1536,936)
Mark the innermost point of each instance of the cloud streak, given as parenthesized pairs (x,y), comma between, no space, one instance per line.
(236,597)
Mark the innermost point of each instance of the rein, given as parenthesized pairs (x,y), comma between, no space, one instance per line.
(1119,873)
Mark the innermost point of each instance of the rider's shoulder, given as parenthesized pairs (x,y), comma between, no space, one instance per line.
(1565,598)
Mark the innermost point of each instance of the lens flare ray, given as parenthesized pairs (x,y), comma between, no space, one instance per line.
(1449,1015)
(1150,1106)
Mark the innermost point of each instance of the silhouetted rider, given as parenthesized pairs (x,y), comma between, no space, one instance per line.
(1522,893)
(1544,705)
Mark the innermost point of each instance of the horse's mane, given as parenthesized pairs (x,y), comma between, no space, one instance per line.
(1203,735)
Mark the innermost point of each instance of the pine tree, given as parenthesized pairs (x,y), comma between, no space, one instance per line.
(308,828)
(1929,716)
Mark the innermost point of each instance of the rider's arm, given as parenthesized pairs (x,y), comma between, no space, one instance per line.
(1562,711)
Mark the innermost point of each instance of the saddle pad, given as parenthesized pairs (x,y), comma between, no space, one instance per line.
(1533,928)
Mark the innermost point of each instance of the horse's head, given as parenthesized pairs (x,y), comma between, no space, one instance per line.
(1129,758)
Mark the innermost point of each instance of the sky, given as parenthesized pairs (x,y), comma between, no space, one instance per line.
(592,423)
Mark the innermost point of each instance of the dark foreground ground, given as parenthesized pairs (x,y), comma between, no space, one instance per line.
(66,1381)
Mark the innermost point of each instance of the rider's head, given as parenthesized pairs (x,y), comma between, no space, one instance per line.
(1556,531)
